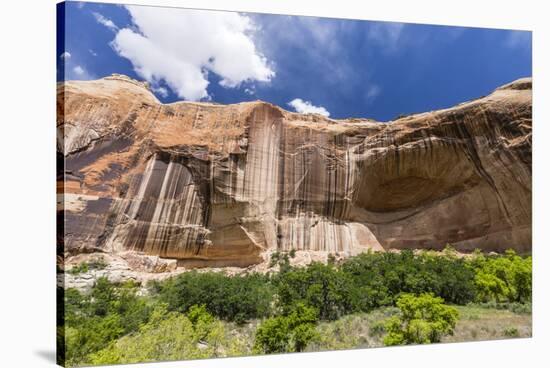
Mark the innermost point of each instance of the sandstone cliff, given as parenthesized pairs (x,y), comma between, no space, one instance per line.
(215,185)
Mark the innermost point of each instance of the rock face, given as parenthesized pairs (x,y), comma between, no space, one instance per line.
(215,185)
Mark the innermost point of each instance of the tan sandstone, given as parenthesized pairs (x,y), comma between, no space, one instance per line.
(224,185)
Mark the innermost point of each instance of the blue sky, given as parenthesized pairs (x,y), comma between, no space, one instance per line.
(341,68)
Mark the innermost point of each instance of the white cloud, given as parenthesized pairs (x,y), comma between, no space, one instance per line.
(161,91)
(322,41)
(518,39)
(306,107)
(92,52)
(180,47)
(79,70)
(386,34)
(105,21)
(66,55)
(372,92)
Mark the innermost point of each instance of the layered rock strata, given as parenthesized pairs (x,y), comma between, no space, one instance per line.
(219,185)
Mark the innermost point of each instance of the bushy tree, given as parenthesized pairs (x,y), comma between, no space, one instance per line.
(272,336)
(172,336)
(503,279)
(94,320)
(289,333)
(235,298)
(201,320)
(423,319)
(379,278)
(321,286)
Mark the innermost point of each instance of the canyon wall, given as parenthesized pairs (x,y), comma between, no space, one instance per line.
(219,185)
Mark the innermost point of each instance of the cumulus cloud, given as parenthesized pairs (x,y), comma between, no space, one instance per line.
(306,107)
(180,47)
(105,21)
(161,91)
(66,55)
(79,70)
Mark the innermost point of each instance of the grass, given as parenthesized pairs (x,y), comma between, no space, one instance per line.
(476,323)
(366,330)
(355,331)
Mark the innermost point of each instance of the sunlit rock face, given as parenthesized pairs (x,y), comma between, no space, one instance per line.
(218,185)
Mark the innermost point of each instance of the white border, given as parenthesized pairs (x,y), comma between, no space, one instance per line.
(27,236)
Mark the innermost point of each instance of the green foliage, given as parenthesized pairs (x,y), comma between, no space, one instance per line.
(511,332)
(515,307)
(171,336)
(236,298)
(275,256)
(95,264)
(503,279)
(201,320)
(80,268)
(107,313)
(423,319)
(377,329)
(112,323)
(380,277)
(199,315)
(288,333)
(282,260)
(320,286)
(272,336)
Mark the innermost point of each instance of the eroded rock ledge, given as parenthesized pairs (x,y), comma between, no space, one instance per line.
(220,185)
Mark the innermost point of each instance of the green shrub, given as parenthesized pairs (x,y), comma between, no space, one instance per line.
(321,286)
(80,268)
(171,336)
(511,332)
(98,326)
(282,260)
(290,333)
(515,307)
(275,256)
(379,278)
(95,264)
(503,278)
(423,319)
(201,320)
(233,298)
(94,320)
(377,328)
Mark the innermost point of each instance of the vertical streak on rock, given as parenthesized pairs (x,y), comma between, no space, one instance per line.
(136,202)
(261,174)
